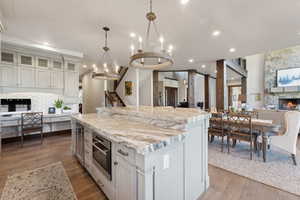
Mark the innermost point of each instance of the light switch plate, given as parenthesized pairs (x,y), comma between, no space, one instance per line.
(166,161)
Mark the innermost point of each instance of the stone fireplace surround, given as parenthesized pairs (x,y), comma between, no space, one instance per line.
(275,60)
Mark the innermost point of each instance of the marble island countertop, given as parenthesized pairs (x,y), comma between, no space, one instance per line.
(179,115)
(142,137)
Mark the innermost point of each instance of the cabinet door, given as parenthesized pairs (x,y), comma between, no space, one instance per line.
(71,84)
(43,79)
(9,76)
(57,79)
(125,180)
(27,77)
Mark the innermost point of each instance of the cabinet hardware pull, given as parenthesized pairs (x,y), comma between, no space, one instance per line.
(122,152)
(116,163)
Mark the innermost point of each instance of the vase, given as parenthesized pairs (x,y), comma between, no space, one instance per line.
(58,111)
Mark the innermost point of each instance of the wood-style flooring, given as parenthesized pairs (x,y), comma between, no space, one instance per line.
(224,185)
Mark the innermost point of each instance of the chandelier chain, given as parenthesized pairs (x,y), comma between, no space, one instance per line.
(150,5)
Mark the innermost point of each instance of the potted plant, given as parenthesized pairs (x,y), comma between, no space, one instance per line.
(58,105)
(67,109)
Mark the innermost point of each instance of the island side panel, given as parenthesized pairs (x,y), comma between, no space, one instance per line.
(196,162)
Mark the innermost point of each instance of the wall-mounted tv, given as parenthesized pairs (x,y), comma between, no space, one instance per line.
(288,77)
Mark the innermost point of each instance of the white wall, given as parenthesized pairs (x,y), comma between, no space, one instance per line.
(255,80)
(93,93)
(212,93)
(40,102)
(145,87)
(199,89)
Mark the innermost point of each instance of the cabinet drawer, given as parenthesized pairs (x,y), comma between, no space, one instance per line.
(125,153)
(60,119)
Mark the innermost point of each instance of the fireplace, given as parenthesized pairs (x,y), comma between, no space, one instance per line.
(289,104)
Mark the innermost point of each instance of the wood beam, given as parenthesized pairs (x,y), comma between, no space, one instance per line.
(244,89)
(206,91)
(221,86)
(155,89)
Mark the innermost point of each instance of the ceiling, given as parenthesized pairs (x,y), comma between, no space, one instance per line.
(248,26)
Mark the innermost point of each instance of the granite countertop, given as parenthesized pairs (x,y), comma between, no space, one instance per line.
(180,115)
(17,116)
(145,129)
(142,137)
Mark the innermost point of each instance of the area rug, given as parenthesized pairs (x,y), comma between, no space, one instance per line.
(279,170)
(47,183)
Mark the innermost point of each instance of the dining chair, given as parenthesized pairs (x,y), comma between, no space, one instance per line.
(286,139)
(217,128)
(31,122)
(240,128)
(253,114)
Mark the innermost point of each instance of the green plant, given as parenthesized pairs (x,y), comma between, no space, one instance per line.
(58,103)
(67,108)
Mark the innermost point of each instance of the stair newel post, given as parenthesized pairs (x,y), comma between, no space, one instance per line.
(105,91)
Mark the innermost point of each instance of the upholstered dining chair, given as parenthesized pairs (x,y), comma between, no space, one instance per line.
(31,122)
(286,139)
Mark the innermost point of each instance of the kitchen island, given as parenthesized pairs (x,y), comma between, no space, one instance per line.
(144,153)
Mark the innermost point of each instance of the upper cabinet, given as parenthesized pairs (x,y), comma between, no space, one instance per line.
(8,76)
(37,70)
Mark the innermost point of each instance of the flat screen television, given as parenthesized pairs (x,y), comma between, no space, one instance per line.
(288,77)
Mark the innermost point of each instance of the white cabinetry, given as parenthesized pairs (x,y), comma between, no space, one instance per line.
(57,79)
(27,77)
(8,76)
(71,84)
(43,78)
(125,180)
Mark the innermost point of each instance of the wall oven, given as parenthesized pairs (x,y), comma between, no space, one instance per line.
(102,154)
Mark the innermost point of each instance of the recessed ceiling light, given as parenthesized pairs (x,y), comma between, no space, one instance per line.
(132,35)
(184,1)
(203,66)
(232,50)
(84,66)
(216,33)
(191,60)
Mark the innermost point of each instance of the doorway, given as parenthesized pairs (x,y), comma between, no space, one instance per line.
(171,96)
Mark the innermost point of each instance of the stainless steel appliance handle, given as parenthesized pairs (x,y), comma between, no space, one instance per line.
(122,152)
(99,149)
(99,141)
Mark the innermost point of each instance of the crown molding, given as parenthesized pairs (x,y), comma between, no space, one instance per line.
(19,42)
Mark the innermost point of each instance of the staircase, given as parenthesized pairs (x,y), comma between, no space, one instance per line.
(112,98)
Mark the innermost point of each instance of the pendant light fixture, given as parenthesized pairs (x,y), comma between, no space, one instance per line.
(152,55)
(110,68)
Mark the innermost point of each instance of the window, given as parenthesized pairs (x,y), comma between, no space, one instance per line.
(57,64)
(42,62)
(7,57)
(71,66)
(26,60)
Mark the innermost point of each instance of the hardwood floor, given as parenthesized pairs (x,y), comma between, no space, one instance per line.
(224,185)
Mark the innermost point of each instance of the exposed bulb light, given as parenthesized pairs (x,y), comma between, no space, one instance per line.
(84,66)
(132,35)
(203,66)
(191,60)
(216,33)
(232,50)
(117,68)
(105,65)
(184,1)
(171,47)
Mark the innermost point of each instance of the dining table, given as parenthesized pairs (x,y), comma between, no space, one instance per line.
(263,127)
